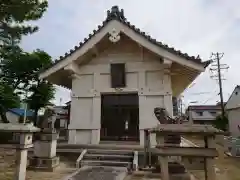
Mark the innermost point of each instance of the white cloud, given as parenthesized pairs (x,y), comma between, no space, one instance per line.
(193,26)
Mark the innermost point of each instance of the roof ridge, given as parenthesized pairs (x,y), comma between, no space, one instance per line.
(116,14)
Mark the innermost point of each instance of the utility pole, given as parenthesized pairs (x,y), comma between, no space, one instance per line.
(216,57)
(181,106)
(220,85)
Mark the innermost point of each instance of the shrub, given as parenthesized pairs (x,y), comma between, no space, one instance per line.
(221,122)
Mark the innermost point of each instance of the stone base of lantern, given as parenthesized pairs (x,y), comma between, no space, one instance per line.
(45,146)
(44,164)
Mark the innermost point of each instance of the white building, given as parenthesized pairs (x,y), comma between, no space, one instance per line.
(233,111)
(118,75)
(203,114)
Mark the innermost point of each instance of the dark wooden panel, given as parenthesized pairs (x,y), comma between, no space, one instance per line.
(118,75)
(120,99)
(120,117)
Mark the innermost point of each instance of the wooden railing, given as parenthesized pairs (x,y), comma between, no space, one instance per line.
(164,151)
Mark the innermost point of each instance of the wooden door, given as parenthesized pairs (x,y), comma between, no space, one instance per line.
(120,117)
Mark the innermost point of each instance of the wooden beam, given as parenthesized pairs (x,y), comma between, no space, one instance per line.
(95,50)
(167,62)
(184,151)
(186,129)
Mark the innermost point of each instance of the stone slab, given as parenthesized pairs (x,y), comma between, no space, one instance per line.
(98,173)
(45,149)
(186,129)
(21,128)
(46,136)
(143,175)
(43,164)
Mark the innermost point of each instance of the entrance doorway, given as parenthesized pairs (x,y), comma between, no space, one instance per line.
(120,117)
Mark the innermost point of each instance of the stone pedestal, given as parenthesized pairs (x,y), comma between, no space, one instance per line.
(45,146)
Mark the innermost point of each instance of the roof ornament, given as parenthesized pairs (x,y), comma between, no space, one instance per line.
(114,35)
(115,14)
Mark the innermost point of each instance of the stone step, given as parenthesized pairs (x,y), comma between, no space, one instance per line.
(99,173)
(105,163)
(111,152)
(129,147)
(109,157)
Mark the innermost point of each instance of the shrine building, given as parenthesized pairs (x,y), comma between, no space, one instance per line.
(117,76)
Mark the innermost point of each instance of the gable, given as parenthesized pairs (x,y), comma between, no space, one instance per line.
(113,26)
(124,51)
(234,100)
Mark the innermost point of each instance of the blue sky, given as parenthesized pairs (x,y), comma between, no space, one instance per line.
(193,26)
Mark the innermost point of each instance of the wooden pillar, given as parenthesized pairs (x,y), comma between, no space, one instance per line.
(209,162)
(21,158)
(163,160)
(146,147)
(164,167)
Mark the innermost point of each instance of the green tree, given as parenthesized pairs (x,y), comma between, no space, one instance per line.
(14,15)
(42,93)
(8,99)
(21,70)
(15,74)
(8,96)
(221,123)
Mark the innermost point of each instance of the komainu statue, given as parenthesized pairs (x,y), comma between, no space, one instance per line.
(163,117)
(49,121)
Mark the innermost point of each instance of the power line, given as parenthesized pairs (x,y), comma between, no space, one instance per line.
(210,98)
(216,69)
(198,93)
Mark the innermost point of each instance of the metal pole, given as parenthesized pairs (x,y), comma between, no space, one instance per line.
(181,105)
(25,109)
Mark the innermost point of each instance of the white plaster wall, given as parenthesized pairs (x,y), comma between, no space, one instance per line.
(207,115)
(147,104)
(144,75)
(234,122)
(234,100)
(81,113)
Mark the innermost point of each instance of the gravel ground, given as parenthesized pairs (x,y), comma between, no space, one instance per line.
(227,168)
(7,168)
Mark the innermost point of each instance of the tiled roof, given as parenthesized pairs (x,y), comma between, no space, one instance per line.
(20,112)
(205,107)
(116,14)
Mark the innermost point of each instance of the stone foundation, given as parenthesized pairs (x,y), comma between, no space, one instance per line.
(44,164)
(83,136)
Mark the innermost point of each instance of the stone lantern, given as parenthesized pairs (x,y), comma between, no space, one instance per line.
(22,143)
